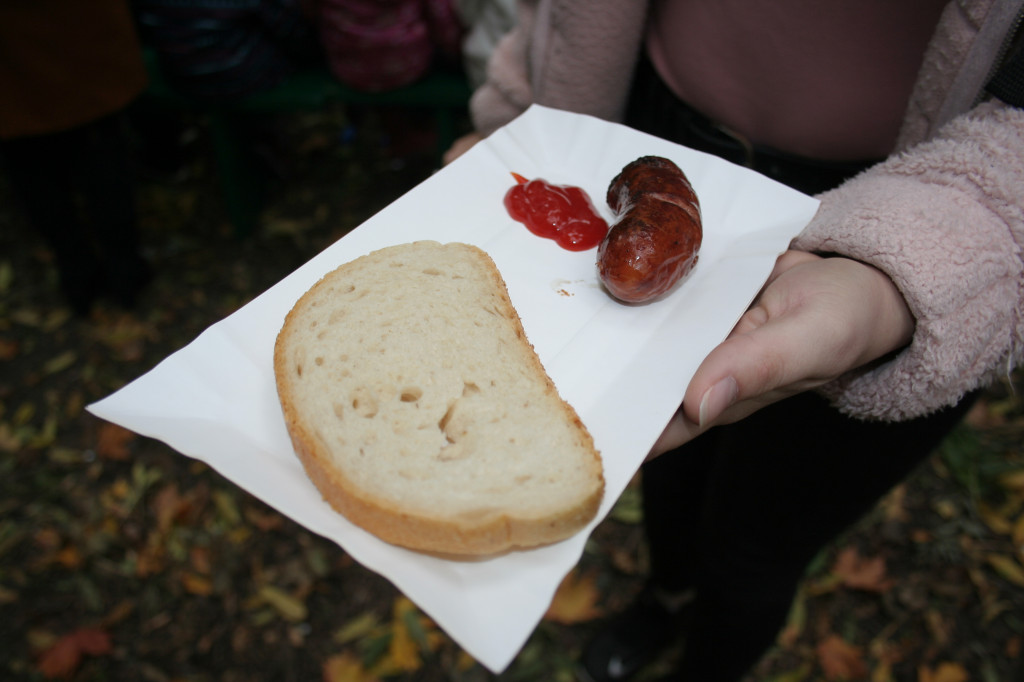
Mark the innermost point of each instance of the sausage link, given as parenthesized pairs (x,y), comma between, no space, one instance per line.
(653,242)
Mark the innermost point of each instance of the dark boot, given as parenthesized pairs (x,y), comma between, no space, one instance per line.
(637,636)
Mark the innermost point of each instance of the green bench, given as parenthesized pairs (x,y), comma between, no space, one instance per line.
(444,94)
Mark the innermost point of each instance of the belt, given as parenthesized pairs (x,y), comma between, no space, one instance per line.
(655,109)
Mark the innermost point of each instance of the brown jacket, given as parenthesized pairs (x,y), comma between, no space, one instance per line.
(64,63)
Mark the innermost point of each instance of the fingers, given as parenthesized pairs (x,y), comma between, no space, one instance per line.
(815,320)
(769,359)
(789,260)
(679,430)
(460,147)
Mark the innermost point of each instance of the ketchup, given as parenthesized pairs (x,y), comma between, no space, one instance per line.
(559,212)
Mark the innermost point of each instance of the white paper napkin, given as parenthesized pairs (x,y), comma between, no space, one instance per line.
(624,368)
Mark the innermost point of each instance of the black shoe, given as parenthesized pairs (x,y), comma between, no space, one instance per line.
(635,637)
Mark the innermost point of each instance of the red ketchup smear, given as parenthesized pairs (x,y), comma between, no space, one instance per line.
(559,212)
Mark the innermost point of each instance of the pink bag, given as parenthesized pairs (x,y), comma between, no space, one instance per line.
(377,45)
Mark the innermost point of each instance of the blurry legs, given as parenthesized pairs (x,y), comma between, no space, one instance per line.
(77,190)
(739,513)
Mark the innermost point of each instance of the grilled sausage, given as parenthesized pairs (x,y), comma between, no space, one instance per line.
(653,242)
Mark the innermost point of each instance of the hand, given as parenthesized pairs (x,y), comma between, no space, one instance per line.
(815,319)
(461,146)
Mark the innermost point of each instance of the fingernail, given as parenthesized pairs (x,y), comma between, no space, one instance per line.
(717,399)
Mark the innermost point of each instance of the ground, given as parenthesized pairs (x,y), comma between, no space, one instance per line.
(121,559)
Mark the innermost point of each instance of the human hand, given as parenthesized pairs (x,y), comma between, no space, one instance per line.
(461,146)
(815,319)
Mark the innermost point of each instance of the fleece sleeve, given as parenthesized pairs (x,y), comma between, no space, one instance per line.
(576,56)
(945,220)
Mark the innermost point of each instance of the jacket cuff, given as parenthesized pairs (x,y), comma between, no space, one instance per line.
(943,221)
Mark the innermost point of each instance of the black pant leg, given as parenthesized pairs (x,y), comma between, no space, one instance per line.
(105,177)
(673,487)
(783,483)
(41,170)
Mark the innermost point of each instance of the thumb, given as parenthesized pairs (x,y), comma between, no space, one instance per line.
(814,320)
(736,379)
(765,359)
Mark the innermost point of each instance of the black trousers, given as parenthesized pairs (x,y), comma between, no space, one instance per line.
(77,189)
(738,513)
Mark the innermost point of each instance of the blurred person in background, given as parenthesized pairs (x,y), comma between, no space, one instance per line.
(223,50)
(218,52)
(486,22)
(380,45)
(68,70)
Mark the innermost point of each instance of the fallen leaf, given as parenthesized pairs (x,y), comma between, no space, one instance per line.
(60,362)
(403,652)
(70,557)
(1013,646)
(357,628)
(629,507)
(287,606)
(921,535)
(46,435)
(151,559)
(168,505)
(263,521)
(26,317)
(1007,567)
(227,507)
(63,657)
(200,559)
(840,660)
(55,320)
(861,573)
(995,519)
(939,626)
(7,596)
(345,667)
(945,672)
(8,349)
(6,276)
(1012,480)
(991,605)
(894,504)
(882,672)
(197,584)
(1017,533)
(40,640)
(286,226)
(112,442)
(947,509)
(575,601)
(10,440)
(125,336)
(48,539)
(24,414)
(121,610)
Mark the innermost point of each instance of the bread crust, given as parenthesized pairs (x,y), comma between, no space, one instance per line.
(490,532)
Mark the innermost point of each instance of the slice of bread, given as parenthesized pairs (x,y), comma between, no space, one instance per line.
(421,411)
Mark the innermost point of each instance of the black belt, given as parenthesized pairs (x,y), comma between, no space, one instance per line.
(655,109)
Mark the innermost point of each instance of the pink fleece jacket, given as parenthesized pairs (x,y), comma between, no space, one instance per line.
(943,216)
